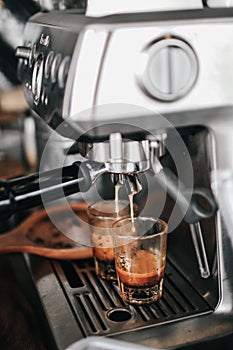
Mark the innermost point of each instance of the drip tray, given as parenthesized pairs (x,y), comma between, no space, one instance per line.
(99,310)
(79,304)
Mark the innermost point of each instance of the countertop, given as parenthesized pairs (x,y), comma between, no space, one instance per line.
(22,324)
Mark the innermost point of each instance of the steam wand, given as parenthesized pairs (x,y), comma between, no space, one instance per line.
(190,207)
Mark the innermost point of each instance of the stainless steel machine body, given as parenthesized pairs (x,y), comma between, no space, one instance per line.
(154,73)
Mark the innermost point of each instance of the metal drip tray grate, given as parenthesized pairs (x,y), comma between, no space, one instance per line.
(99,309)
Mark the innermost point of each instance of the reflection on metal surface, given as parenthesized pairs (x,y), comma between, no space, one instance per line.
(108,7)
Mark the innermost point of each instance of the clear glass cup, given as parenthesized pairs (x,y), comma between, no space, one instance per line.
(101,216)
(140,246)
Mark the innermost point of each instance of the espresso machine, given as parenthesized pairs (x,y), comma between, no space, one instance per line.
(146,97)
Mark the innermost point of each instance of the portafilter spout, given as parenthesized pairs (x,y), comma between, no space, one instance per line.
(130,181)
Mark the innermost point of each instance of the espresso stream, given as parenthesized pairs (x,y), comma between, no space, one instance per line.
(117,189)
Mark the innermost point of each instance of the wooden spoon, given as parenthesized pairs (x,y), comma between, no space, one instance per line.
(38,235)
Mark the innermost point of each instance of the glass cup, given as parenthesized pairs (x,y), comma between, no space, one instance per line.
(140,246)
(101,217)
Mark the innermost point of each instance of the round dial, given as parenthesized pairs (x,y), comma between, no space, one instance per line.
(171,69)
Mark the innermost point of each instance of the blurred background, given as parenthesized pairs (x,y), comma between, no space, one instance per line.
(13,107)
(19,152)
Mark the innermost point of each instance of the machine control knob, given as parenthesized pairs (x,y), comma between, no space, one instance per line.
(23,52)
(171,69)
(48,64)
(37,78)
(55,66)
(63,71)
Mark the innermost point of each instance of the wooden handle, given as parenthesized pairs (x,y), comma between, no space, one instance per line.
(18,239)
(13,238)
(72,253)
